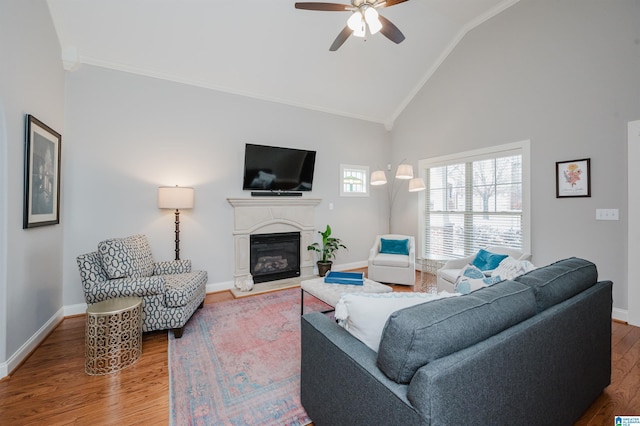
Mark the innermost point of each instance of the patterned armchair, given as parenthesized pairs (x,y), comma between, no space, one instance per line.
(121,267)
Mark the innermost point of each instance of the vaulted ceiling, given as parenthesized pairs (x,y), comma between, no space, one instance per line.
(271,50)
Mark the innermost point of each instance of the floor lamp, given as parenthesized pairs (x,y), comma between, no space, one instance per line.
(176,197)
(403,172)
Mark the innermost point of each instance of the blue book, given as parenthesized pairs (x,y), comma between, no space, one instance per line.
(350,278)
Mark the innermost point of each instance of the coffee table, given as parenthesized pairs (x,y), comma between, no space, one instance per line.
(331,293)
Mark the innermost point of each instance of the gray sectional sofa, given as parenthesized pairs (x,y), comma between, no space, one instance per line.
(535,350)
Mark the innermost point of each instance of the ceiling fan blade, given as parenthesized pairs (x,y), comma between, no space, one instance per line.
(342,37)
(389,3)
(327,7)
(390,31)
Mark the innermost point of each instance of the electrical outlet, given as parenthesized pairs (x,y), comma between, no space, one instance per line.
(607,214)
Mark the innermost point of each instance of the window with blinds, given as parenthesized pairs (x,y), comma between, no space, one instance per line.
(474,202)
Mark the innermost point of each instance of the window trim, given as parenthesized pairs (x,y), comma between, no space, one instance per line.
(364,170)
(521,147)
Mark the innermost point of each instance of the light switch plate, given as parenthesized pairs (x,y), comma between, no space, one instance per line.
(607,214)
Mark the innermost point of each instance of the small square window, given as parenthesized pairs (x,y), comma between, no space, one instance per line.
(354,181)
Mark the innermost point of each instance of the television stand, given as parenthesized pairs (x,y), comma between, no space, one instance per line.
(275,194)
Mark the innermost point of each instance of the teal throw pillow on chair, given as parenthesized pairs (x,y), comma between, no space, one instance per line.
(394,246)
(487,261)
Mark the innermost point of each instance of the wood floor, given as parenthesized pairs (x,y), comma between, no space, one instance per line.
(51,388)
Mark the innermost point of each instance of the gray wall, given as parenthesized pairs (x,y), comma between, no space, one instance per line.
(127,134)
(564,74)
(32,82)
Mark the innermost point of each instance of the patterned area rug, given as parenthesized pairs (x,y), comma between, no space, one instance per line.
(238,362)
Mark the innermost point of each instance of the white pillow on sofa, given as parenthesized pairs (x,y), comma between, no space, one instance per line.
(510,268)
(364,315)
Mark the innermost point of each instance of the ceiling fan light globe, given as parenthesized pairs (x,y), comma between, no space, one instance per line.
(355,21)
(360,31)
(375,27)
(357,24)
(371,16)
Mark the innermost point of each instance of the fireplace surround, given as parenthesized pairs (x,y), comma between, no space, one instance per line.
(268,215)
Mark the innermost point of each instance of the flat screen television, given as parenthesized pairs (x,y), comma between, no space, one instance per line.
(271,168)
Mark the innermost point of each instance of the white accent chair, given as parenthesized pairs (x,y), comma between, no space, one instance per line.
(448,274)
(392,268)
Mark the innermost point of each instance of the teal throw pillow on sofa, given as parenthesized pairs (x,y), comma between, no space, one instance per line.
(394,246)
(487,261)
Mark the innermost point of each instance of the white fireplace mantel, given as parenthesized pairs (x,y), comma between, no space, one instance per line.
(270,215)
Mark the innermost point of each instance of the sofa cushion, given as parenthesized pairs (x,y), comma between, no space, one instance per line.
(394,246)
(395,260)
(128,257)
(183,288)
(487,261)
(364,315)
(423,333)
(559,281)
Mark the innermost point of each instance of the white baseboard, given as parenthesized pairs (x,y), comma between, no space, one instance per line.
(215,287)
(620,315)
(30,345)
(347,266)
(72,310)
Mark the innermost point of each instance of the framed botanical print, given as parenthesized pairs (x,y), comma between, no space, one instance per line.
(41,174)
(573,178)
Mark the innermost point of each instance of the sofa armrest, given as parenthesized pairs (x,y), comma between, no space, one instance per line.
(340,382)
(172,267)
(372,253)
(508,374)
(525,256)
(374,250)
(458,263)
(123,287)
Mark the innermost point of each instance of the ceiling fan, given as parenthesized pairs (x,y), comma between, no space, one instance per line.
(364,16)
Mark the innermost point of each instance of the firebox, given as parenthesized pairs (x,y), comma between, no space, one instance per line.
(274,256)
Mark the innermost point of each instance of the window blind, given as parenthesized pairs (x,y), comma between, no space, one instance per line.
(473,203)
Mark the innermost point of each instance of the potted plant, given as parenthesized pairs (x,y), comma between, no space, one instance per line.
(326,251)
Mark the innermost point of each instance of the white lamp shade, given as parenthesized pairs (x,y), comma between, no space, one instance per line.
(378,178)
(405,171)
(175,197)
(416,184)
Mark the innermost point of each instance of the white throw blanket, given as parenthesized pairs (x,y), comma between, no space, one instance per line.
(365,315)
